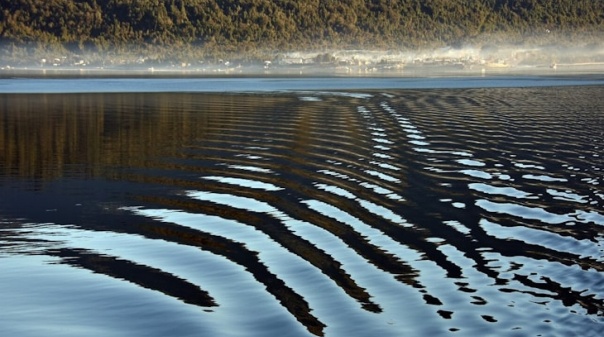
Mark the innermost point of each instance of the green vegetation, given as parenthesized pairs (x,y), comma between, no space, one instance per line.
(176,29)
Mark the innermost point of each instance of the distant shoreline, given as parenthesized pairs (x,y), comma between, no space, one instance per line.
(406,71)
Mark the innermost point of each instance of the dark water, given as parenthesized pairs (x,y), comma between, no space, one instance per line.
(435,212)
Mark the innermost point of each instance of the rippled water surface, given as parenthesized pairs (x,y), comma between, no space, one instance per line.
(432,212)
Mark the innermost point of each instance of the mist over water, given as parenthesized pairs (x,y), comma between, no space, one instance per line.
(547,53)
(304,212)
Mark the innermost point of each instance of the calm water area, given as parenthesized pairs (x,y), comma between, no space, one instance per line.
(302,207)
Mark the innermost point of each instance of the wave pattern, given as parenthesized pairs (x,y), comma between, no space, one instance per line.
(404,212)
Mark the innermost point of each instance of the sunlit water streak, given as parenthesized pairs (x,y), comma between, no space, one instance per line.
(393,212)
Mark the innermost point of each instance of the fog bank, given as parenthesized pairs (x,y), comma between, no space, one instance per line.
(485,58)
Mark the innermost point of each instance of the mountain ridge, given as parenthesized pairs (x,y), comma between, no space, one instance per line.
(203,28)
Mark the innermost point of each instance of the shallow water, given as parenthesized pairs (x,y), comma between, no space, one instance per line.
(429,212)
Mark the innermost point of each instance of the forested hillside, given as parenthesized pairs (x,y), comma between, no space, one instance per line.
(213,26)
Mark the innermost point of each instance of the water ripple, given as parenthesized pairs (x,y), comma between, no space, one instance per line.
(397,212)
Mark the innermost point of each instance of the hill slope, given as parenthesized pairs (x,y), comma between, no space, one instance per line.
(212,26)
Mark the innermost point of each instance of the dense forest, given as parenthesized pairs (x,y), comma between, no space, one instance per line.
(251,27)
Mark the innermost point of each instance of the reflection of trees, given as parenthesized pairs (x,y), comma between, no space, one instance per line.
(44,136)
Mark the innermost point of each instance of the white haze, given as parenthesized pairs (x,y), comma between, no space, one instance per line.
(580,58)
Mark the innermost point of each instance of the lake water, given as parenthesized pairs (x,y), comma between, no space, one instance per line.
(301,207)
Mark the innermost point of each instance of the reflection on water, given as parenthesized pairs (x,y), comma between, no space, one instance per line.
(420,212)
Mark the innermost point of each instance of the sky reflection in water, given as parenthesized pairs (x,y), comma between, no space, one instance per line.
(376,212)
